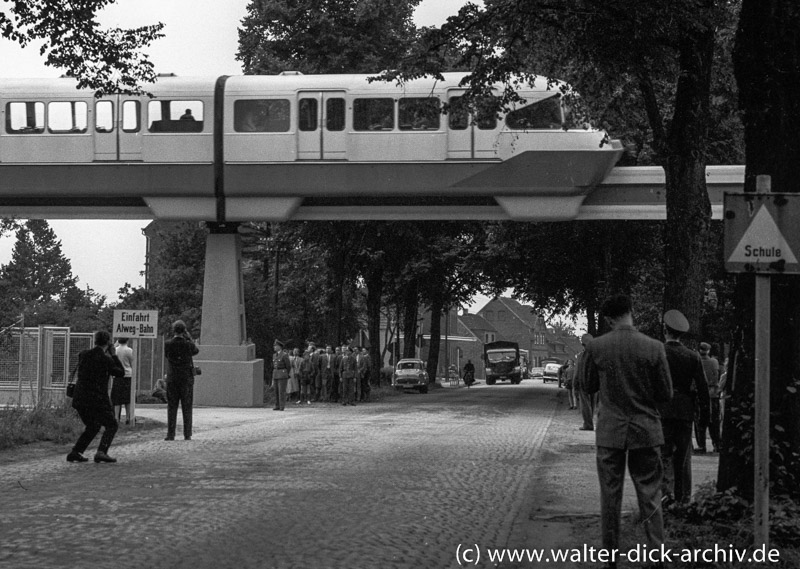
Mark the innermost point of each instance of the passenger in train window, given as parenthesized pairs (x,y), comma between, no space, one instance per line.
(187,116)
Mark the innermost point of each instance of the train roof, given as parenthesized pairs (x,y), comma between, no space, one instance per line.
(241,84)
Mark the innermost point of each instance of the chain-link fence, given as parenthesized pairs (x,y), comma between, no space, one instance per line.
(35,363)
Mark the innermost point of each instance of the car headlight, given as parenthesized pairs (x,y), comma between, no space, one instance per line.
(488,370)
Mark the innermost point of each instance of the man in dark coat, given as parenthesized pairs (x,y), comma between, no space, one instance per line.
(91,399)
(689,385)
(630,372)
(178,352)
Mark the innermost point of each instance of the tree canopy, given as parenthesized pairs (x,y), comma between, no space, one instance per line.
(106,60)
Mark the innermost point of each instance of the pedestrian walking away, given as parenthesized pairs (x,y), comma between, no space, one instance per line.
(712,371)
(179,352)
(677,415)
(91,400)
(630,372)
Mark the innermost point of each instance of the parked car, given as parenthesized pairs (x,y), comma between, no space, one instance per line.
(537,372)
(551,372)
(410,374)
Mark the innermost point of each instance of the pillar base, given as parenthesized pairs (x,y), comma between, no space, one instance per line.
(230,383)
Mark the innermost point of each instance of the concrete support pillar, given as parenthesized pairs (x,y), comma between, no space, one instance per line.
(232,376)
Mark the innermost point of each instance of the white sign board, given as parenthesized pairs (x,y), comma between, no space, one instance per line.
(761,233)
(135,324)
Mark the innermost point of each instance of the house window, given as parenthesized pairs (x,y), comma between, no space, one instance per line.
(501,315)
(489,315)
(488,337)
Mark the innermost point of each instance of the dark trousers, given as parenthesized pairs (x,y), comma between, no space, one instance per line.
(588,403)
(94,418)
(305,389)
(365,387)
(677,456)
(644,465)
(180,391)
(336,387)
(319,388)
(347,389)
(712,427)
(279,387)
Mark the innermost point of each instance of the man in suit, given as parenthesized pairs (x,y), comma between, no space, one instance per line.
(326,365)
(364,368)
(712,371)
(178,352)
(91,399)
(347,371)
(631,373)
(677,415)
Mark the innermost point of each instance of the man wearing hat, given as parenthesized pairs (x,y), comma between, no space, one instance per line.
(630,372)
(711,369)
(281,364)
(587,402)
(689,387)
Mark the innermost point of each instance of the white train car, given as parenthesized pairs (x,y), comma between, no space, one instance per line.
(281,118)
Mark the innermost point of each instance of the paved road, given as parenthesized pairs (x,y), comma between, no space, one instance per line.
(395,484)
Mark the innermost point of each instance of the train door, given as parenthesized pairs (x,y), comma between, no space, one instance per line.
(117,129)
(459,130)
(321,132)
(470,135)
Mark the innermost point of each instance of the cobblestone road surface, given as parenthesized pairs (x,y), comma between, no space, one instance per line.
(395,484)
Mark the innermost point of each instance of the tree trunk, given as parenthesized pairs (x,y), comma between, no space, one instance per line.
(688,206)
(410,309)
(374,282)
(436,309)
(767,69)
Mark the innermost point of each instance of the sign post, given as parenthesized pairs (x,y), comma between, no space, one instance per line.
(762,237)
(135,324)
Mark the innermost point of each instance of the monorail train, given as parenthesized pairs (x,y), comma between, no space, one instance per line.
(285,135)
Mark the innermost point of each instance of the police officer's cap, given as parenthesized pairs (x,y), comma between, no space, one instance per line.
(586,338)
(705,347)
(278,343)
(674,320)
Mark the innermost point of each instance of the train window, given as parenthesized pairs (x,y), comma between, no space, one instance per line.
(262,115)
(25,117)
(334,114)
(104,116)
(65,117)
(131,116)
(307,115)
(373,114)
(175,116)
(541,114)
(486,114)
(458,116)
(419,113)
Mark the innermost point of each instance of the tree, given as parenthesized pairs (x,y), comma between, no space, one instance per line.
(662,51)
(38,281)
(71,39)
(175,282)
(324,36)
(767,68)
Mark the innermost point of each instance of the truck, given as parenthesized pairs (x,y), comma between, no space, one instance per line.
(502,362)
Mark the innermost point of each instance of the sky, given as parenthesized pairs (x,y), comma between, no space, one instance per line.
(200,40)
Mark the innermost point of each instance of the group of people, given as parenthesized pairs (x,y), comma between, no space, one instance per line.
(96,408)
(648,394)
(336,375)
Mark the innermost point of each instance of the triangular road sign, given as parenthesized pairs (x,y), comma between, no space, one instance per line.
(763,242)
